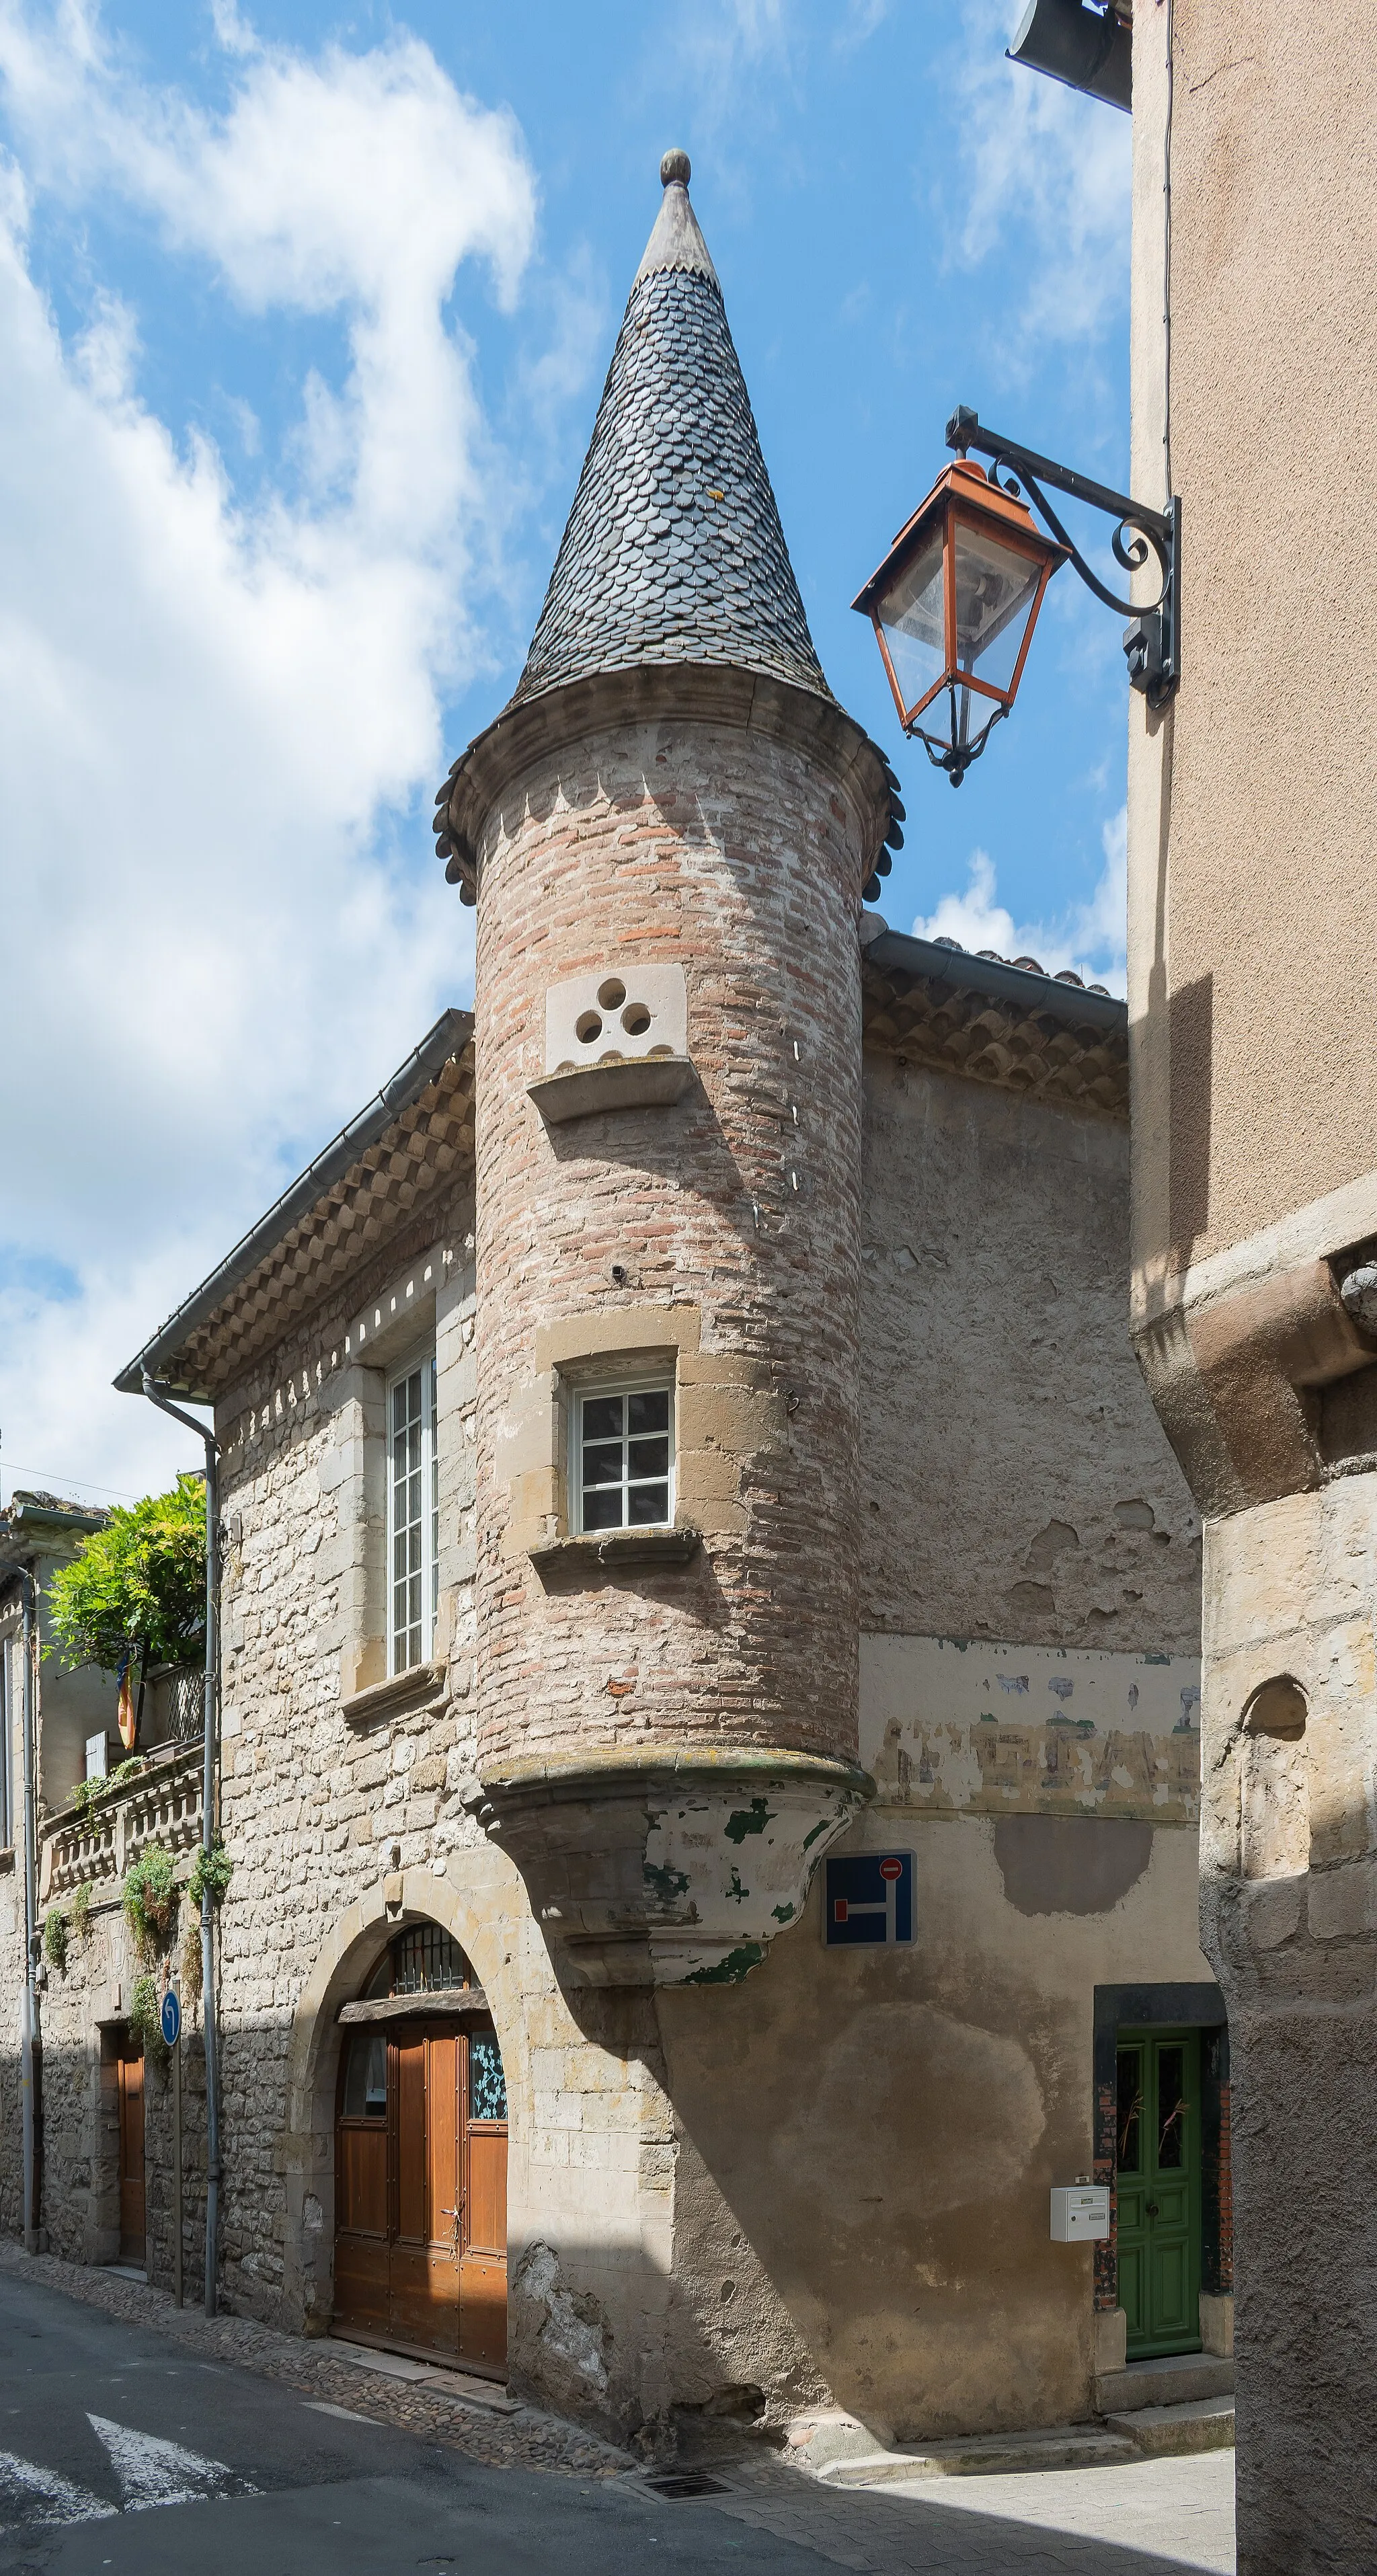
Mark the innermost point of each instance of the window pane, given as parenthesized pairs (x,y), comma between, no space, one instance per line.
(647,1504)
(365,2076)
(648,1412)
(1172,2108)
(602,1466)
(995,588)
(647,1457)
(912,615)
(487,2083)
(602,1417)
(603,1510)
(412,1498)
(1130,2109)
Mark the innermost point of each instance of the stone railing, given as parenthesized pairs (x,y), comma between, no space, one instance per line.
(163,1805)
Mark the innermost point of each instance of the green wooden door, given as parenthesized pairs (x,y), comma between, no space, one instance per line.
(1159,2190)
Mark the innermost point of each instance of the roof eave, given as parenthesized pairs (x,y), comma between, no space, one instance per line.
(448,1038)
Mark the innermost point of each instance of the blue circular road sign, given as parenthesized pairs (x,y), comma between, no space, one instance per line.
(171,2018)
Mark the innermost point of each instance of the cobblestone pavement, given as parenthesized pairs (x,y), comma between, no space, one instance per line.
(1151,2519)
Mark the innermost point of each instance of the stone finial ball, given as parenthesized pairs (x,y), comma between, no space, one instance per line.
(675,165)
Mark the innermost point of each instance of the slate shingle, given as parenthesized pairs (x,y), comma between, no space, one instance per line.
(653,566)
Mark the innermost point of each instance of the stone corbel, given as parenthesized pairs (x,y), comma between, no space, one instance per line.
(1236,1376)
(656,1865)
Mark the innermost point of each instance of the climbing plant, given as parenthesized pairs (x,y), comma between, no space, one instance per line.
(149,1897)
(211,1873)
(55,1938)
(145,2017)
(87,1794)
(140,1579)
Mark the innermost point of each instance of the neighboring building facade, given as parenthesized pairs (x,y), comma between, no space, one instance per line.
(1252,800)
(686,1493)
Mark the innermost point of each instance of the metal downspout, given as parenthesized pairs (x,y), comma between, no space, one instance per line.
(164,1404)
(29,2005)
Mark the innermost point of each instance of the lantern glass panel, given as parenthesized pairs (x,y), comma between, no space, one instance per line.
(911,620)
(995,588)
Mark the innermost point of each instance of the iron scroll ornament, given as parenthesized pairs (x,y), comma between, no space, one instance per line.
(1152,640)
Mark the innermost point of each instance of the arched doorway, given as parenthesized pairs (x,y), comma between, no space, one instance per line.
(421,2159)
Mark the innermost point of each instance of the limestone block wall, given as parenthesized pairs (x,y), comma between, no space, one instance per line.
(731,1217)
(83,2012)
(1289,1915)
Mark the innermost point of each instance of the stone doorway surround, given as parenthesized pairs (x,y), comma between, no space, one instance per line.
(480,1902)
(1167,2007)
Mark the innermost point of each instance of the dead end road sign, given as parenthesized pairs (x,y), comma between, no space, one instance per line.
(869,1899)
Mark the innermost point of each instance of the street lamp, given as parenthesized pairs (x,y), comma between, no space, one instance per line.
(956,599)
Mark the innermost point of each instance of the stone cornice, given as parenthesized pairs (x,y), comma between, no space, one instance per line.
(681,693)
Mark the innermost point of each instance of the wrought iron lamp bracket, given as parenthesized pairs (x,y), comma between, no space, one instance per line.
(1152,642)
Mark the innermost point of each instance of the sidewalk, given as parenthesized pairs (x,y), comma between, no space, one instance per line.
(1140,2520)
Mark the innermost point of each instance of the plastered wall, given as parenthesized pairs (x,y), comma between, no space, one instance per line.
(1017,1483)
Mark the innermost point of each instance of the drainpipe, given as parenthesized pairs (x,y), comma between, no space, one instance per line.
(28,2025)
(156,1395)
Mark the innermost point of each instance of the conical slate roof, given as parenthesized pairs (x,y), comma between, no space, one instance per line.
(673,552)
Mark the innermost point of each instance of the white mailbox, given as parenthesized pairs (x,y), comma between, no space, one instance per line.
(1079,2210)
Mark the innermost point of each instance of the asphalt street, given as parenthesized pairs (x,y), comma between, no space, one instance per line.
(123,2448)
(119,2452)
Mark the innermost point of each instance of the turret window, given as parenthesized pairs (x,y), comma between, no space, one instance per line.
(624,1458)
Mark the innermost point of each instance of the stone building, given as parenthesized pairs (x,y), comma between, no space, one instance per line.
(708,1712)
(1252,799)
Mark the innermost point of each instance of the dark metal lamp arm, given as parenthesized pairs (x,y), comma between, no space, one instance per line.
(1153,641)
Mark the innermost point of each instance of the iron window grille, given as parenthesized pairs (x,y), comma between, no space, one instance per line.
(413,1516)
(624,1458)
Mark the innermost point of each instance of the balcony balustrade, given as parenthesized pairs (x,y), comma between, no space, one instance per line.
(96,1847)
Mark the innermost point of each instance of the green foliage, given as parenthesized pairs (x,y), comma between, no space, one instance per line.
(149,1898)
(140,1580)
(145,2011)
(88,1794)
(81,1910)
(55,1938)
(210,1875)
(191,1964)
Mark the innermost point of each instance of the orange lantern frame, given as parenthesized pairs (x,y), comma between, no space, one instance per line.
(961,497)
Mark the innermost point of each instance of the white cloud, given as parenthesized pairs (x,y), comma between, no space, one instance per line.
(212,709)
(1048,179)
(1089,937)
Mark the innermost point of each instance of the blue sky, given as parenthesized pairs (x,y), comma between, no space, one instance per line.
(303,320)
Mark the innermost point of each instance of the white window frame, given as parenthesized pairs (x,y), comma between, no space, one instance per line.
(420,1365)
(643,1382)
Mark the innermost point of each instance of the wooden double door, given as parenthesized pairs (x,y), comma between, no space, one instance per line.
(1159,2190)
(421,2190)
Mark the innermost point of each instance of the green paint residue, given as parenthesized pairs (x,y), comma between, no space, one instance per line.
(737,1890)
(729,1971)
(748,1820)
(1157,1659)
(784,1914)
(987,1717)
(817,1829)
(665,1882)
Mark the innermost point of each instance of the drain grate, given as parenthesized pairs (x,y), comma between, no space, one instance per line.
(687,2483)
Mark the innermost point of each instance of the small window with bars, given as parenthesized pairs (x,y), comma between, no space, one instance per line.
(413,1516)
(624,1459)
